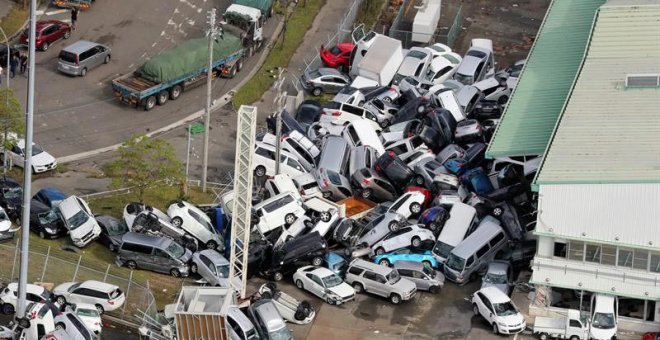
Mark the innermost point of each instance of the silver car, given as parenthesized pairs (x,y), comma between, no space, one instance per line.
(372,186)
(268,320)
(426,170)
(499,275)
(211,266)
(69,326)
(82,56)
(424,277)
(332,166)
(373,278)
(383,110)
(380,226)
(323,80)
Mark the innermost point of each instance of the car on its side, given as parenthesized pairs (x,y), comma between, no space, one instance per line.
(69,326)
(79,220)
(112,229)
(409,204)
(47,32)
(407,236)
(211,266)
(195,222)
(88,314)
(45,222)
(324,283)
(498,310)
(323,80)
(337,56)
(380,227)
(104,296)
(50,196)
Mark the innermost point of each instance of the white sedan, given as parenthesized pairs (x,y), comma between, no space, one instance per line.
(324,283)
(407,236)
(41,160)
(89,315)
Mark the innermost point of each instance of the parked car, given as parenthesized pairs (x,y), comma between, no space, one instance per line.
(407,236)
(241,324)
(154,253)
(477,64)
(268,321)
(423,276)
(6,230)
(112,230)
(9,296)
(264,161)
(41,160)
(88,314)
(12,196)
(211,266)
(50,196)
(47,32)
(324,283)
(372,278)
(372,186)
(337,56)
(332,167)
(406,254)
(45,222)
(414,64)
(323,80)
(498,310)
(195,222)
(104,296)
(78,220)
(499,275)
(308,112)
(82,56)
(69,326)
(604,316)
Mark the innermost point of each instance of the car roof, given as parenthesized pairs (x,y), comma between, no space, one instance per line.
(69,206)
(409,66)
(9,182)
(268,313)
(98,285)
(84,306)
(498,267)
(80,46)
(322,272)
(37,206)
(149,240)
(31,288)
(494,294)
(408,265)
(272,199)
(376,268)
(43,23)
(214,256)
(52,192)
(346,46)
(326,71)
(477,239)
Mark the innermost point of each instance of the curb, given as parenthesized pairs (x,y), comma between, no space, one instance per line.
(218,103)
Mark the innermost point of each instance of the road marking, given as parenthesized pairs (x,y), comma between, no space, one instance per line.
(154,44)
(191,22)
(55,12)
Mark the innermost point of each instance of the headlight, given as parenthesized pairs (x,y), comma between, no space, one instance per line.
(502,324)
(50,230)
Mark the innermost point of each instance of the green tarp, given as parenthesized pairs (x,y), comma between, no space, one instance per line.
(263,5)
(187,57)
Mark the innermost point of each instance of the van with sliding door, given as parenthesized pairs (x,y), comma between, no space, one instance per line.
(462,219)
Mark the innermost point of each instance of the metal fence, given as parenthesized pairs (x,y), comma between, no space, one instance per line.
(401,28)
(47,268)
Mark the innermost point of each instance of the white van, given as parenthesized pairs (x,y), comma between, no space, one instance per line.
(283,209)
(448,101)
(264,162)
(280,184)
(360,132)
(604,317)
(79,220)
(459,225)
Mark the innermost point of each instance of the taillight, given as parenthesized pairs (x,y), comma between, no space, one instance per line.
(77,60)
(336,113)
(365,181)
(391,154)
(325,183)
(392,89)
(111,302)
(285,136)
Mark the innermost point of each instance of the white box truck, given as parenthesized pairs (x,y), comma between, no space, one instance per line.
(426,21)
(380,62)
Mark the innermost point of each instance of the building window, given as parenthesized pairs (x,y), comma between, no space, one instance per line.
(592,253)
(576,250)
(641,259)
(608,255)
(650,311)
(655,262)
(625,258)
(631,308)
(560,249)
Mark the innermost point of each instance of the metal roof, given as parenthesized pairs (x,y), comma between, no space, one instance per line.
(609,133)
(536,102)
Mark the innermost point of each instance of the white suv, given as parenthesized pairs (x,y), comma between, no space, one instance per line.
(195,222)
(104,296)
(498,310)
(79,220)
(283,209)
(9,296)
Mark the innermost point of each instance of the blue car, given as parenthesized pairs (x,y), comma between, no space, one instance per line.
(477,181)
(405,254)
(336,263)
(50,196)
(456,166)
(434,218)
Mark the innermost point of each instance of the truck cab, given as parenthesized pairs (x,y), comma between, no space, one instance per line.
(248,19)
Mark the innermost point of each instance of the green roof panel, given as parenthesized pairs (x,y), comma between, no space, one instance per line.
(530,117)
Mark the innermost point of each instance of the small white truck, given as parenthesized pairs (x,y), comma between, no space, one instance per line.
(572,326)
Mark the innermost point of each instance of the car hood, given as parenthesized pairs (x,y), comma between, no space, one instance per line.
(511,320)
(405,285)
(343,290)
(63,288)
(42,159)
(5,225)
(602,334)
(89,226)
(502,287)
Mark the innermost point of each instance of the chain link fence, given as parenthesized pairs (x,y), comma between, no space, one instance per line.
(451,12)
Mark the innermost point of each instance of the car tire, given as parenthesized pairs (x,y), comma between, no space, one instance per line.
(575,337)
(239,65)
(395,299)
(266,295)
(289,218)
(384,123)
(100,309)
(326,216)
(416,242)
(421,109)
(61,300)
(60,325)
(497,212)
(193,268)
(502,100)
(278,276)
(393,226)
(42,235)
(366,193)
(317,261)
(175,272)
(358,288)
(327,194)
(415,208)
(45,46)
(317,91)
(380,251)
(177,221)
(83,72)
(433,227)
(163,96)
(211,245)
(385,262)
(544,336)
(112,247)
(8,309)
(427,263)
(107,59)
(149,103)
(175,92)
(131,264)
(419,180)
(434,290)
(67,34)
(260,171)
(495,329)
(299,284)
(475,309)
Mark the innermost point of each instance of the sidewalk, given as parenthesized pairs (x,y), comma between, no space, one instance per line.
(5,6)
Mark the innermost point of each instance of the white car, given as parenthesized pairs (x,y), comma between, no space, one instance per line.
(324,283)
(283,209)
(438,49)
(6,231)
(79,220)
(494,89)
(291,310)
(442,68)
(264,161)
(407,145)
(307,186)
(411,235)
(414,64)
(195,222)
(408,204)
(68,326)
(8,296)
(498,310)
(342,113)
(41,160)
(89,315)
(324,212)
(104,296)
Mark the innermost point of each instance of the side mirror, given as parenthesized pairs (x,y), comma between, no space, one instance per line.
(491,313)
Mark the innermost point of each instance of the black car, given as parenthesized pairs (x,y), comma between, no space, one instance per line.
(45,222)
(308,112)
(288,124)
(50,196)
(443,121)
(394,169)
(12,197)
(412,109)
(300,251)
(112,229)
(487,109)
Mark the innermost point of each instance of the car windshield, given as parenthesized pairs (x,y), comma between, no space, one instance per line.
(36,149)
(175,250)
(280,334)
(442,249)
(77,220)
(223,270)
(3,215)
(456,263)
(417,54)
(495,278)
(12,192)
(335,50)
(314,74)
(429,75)
(73,287)
(334,177)
(451,59)
(116,227)
(463,78)
(505,309)
(87,312)
(47,217)
(437,48)
(331,281)
(393,277)
(603,321)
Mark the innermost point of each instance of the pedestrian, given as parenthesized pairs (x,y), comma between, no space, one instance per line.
(23,60)
(13,63)
(74,17)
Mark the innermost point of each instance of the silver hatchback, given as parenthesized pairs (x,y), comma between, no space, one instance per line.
(82,56)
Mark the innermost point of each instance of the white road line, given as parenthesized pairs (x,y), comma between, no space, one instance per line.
(154,44)
(55,12)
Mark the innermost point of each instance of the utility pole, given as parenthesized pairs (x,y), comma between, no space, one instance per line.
(278,103)
(212,34)
(4,144)
(27,170)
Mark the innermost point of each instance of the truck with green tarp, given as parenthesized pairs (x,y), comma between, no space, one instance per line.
(265,6)
(167,75)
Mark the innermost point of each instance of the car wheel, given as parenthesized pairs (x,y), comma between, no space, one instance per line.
(175,272)
(163,96)
(45,46)
(61,300)
(177,221)
(366,193)
(475,309)
(393,226)
(544,336)
(415,208)
(299,284)
(327,195)
(358,288)
(498,212)
(495,329)
(289,219)
(150,103)
(67,34)
(42,235)
(380,251)
(316,91)
(175,92)
(395,299)
(384,262)
(317,261)
(575,337)
(433,227)
(278,276)
(8,309)
(434,290)
(416,242)
(131,264)
(211,245)
(193,268)
(83,72)
(384,123)
(107,59)
(502,100)
(419,180)
(60,325)
(325,216)
(100,309)
(260,171)
(112,247)
(427,263)
(421,109)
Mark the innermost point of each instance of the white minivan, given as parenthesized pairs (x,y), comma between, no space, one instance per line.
(264,162)
(79,221)
(360,132)
(459,225)
(283,209)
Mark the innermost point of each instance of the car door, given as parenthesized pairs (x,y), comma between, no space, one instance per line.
(316,286)
(335,84)
(79,295)
(396,239)
(206,269)
(421,280)
(161,260)
(401,205)
(49,34)
(380,283)
(483,304)
(17,156)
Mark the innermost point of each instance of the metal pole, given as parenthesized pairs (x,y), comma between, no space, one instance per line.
(278,141)
(43,272)
(27,169)
(207,114)
(4,144)
(188,153)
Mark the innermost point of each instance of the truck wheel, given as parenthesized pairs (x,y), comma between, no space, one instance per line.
(149,103)
(175,92)
(544,336)
(163,96)
(233,71)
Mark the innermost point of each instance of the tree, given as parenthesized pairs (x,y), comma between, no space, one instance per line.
(11,115)
(143,162)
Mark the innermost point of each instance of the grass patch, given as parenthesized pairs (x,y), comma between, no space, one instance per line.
(14,20)
(368,13)
(299,23)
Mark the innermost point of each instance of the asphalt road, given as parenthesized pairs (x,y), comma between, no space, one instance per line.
(76,114)
(110,332)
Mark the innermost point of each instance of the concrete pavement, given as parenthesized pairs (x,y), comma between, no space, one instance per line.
(5,6)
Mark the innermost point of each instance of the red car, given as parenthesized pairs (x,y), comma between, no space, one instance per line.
(651,336)
(428,196)
(338,55)
(48,32)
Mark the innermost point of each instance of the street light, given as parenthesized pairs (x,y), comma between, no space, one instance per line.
(4,144)
(213,33)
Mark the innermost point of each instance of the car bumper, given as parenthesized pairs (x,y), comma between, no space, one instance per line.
(512,329)
(6,236)
(44,168)
(409,295)
(68,69)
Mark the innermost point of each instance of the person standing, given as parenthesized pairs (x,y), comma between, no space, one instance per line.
(23,61)
(74,17)
(13,63)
